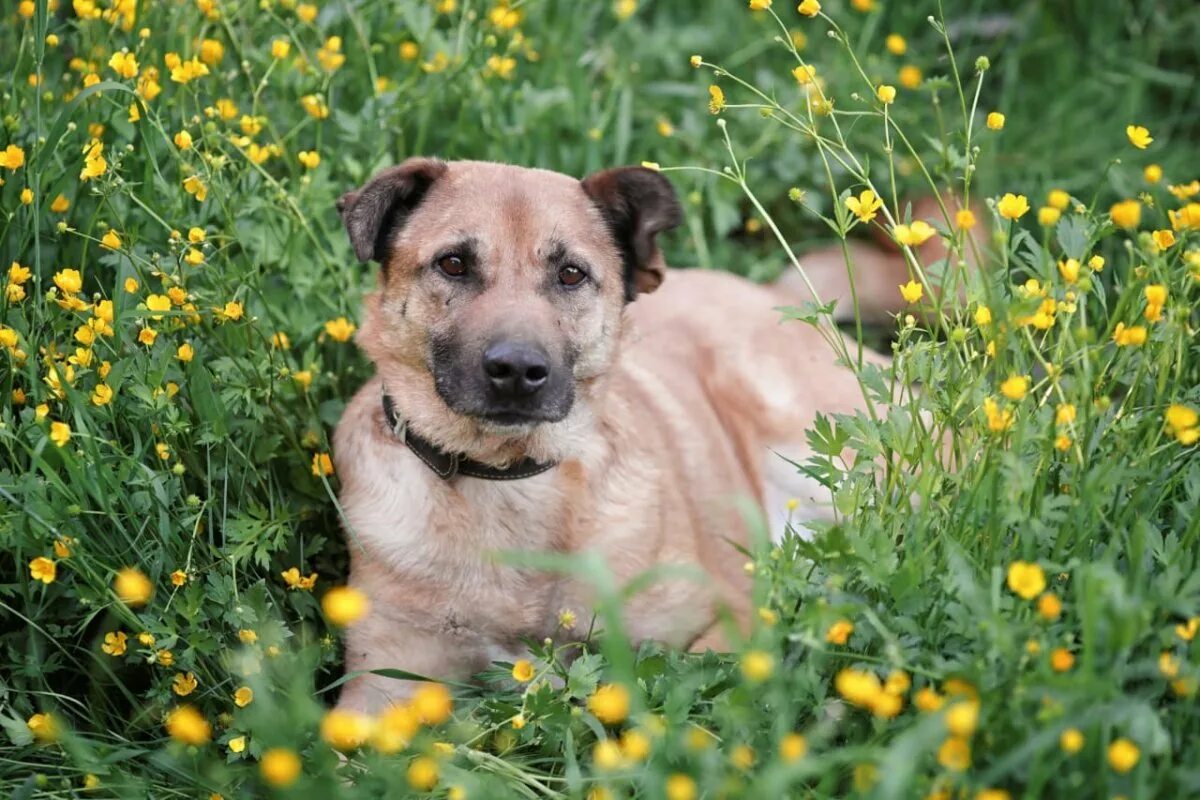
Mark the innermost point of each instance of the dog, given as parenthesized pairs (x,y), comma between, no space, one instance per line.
(545,384)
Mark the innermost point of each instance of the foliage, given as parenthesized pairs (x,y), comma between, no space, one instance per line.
(1007,599)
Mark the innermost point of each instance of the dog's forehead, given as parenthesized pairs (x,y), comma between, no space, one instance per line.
(477,194)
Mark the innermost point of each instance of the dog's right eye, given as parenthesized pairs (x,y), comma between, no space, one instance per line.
(452,266)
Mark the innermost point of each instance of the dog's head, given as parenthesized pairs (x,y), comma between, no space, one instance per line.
(502,288)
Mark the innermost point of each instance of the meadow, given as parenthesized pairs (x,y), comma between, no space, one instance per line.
(1007,602)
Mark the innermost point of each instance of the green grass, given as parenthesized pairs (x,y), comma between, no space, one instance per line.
(933,510)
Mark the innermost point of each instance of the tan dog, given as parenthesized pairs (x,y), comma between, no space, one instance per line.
(532,406)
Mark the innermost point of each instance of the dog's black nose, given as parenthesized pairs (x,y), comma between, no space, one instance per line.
(516,369)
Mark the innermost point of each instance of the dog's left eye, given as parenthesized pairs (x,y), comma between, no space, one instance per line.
(571,275)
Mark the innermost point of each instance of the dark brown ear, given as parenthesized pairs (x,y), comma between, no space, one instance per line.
(638,204)
(372,214)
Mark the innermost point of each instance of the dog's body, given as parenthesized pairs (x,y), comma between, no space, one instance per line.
(677,402)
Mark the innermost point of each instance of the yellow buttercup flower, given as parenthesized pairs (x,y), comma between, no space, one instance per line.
(295,580)
(237,744)
(865,206)
(279,767)
(995,121)
(432,703)
(792,748)
(1026,579)
(809,8)
(1163,240)
(523,671)
(886,94)
(115,643)
(678,785)
(1015,387)
(1013,206)
(1071,741)
(43,569)
(60,433)
(12,157)
(912,292)
(1058,199)
(44,727)
(1049,606)
(757,666)
(716,99)
(345,730)
(1048,216)
(344,605)
(1126,214)
(1152,173)
(243,696)
(183,140)
(184,683)
(964,219)
(610,703)
(760,5)
(186,724)
(422,774)
(839,632)
(1139,137)
(954,754)
(895,44)
(915,233)
(133,588)
(340,329)
(1129,336)
(805,74)
(1061,659)
(909,76)
(124,64)
(1123,755)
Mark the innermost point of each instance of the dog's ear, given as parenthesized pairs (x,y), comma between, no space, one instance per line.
(638,204)
(372,214)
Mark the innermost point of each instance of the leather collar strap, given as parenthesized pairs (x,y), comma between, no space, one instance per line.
(447,465)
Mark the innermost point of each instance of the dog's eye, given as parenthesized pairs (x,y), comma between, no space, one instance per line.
(571,275)
(452,266)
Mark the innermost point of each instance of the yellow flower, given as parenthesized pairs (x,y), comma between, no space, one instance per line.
(1015,387)
(716,99)
(1139,137)
(1071,741)
(954,754)
(757,666)
(195,187)
(211,52)
(1163,239)
(345,730)
(1058,199)
(1061,659)
(1126,214)
(243,696)
(183,140)
(340,329)
(1132,336)
(422,773)
(62,546)
(964,219)
(680,786)
(111,240)
(760,5)
(186,724)
(178,578)
(68,280)
(1013,206)
(1182,423)
(44,727)
(431,702)
(322,465)
(1168,665)
(635,745)
(164,657)
(26,196)
(60,433)
(147,336)
(886,94)
(132,587)
(1048,216)
(295,580)
(303,377)
(43,569)
(522,671)
(909,76)
(1069,269)
(995,121)
(865,205)
(1123,755)
(1064,414)
(410,51)
(1049,606)
(344,605)
(962,718)
(280,48)
(102,395)
(184,683)
(839,632)
(792,748)
(309,159)
(610,703)
(928,700)
(1185,218)
(246,636)
(912,291)
(805,74)
(696,61)
(115,643)
(914,234)
(1026,579)
(12,157)
(279,767)
(1152,173)
(237,744)
(895,44)
(809,8)
(124,64)
(131,285)
(231,311)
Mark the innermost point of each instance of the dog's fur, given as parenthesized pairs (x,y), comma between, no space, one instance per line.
(677,400)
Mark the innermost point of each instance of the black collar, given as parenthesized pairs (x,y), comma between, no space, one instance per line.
(447,465)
